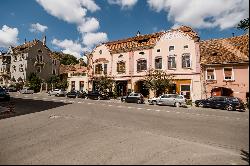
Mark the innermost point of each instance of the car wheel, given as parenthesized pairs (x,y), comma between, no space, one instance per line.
(154,103)
(138,101)
(229,108)
(98,98)
(200,104)
(177,104)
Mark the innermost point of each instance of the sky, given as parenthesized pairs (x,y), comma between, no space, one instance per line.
(77,26)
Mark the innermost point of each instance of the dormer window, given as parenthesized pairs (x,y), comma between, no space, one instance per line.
(141,53)
(185,47)
(158,50)
(100,52)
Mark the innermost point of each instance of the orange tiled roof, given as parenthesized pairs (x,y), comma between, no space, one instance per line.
(24,47)
(144,41)
(227,50)
(72,68)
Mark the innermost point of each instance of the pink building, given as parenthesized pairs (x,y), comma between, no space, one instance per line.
(175,51)
(225,67)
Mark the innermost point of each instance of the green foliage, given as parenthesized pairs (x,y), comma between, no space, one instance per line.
(244,24)
(66,59)
(158,81)
(34,82)
(57,82)
(104,83)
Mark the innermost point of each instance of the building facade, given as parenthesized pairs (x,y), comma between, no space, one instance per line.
(127,61)
(5,61)
(225,67)
(32,57)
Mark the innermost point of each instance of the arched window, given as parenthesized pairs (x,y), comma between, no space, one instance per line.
(141,65)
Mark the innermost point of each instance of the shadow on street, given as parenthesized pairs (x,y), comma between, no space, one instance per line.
(19,106)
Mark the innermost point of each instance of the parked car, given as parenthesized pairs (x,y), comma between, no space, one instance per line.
(133,98)
(26,90)
(57,92)
(4,95)
(154,100)
(172,100)
(221,102)
(11,89)
(95,95)
(74,94)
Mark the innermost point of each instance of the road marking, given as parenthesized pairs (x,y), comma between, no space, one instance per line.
(90,103)
(149,109)
(139,108)
(157,110)
(79,102)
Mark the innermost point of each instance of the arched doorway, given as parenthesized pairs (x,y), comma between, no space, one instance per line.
(221,91)
(140,87)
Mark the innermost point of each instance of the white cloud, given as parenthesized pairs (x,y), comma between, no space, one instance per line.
(125,4)
(203,14)
(69,47)
(91,39)
(8,36)
(75,12)
(90,25)
(38,28)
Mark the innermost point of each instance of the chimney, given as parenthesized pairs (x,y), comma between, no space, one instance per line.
(44,40)
(233,34)
(25,41)
(138,33)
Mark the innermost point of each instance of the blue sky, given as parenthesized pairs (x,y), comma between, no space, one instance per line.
(75,26)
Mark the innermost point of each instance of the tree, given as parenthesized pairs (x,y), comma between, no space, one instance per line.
(34,82)
(244,24)
(104,83)
(66,59)
(158,81)
(57,82)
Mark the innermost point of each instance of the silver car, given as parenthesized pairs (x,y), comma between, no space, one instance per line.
(172,100)
(27,91)
(57,92)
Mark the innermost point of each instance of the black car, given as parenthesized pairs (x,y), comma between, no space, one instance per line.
(95,95)
(74,94)
(4,95)
(221,102)
(133,98)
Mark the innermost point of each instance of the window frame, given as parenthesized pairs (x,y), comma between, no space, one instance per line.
(182,59)
(160,63)
(213,73)
(232,76)
(172,68)
(139,63)
(99,67)
(121,69)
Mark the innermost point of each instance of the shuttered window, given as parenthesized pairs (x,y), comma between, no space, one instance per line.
(228,73)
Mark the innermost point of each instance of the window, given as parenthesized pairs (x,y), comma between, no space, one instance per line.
(98,69)
(171,62)
(141,65)
(100,52)
(186,63)
(171,48)
(185,47)
(14,67)
(158,63)
(73,85)
(38,69)
(21,68)
(15,58)
(210,74)
(39,51)
(54,61)
(121,67)
(158,50)
(39,58)
(228,73)
(185,91)
(105,68)
(141,53)
(54,72)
